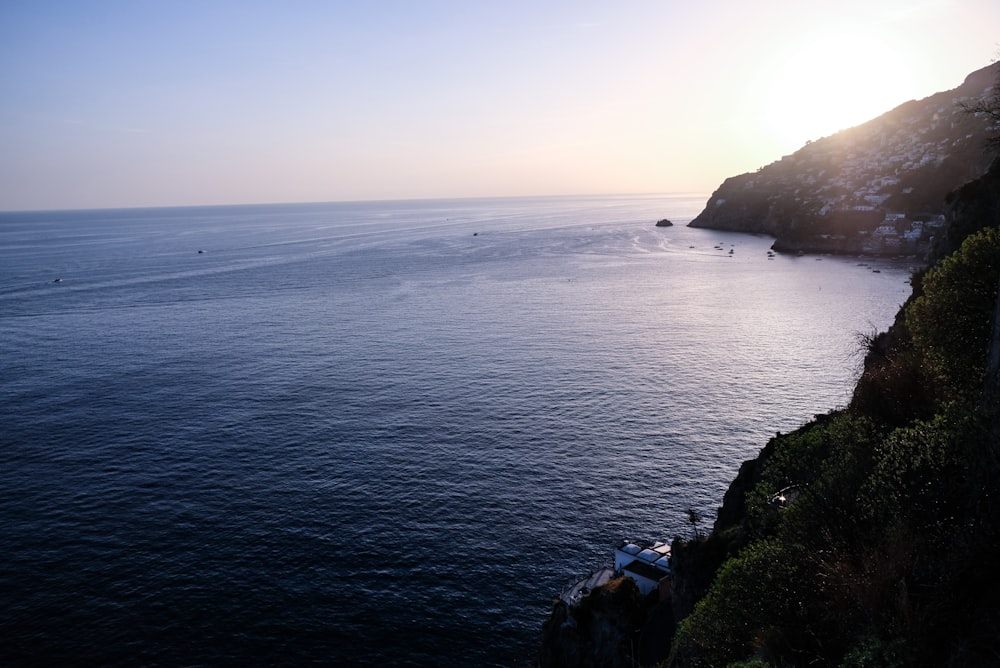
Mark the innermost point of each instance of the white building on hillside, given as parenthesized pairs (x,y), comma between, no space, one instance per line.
(648,566)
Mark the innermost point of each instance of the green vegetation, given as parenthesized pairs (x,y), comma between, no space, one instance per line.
(951,321)
(870,537)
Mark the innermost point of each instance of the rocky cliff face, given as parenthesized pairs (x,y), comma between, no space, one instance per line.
(970,208)
(600,631)
(945,614)
(878,188)
(613,625)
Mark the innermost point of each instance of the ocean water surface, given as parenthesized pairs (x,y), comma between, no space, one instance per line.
(380,433)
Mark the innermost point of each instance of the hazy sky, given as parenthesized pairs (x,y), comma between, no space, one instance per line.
(147,103)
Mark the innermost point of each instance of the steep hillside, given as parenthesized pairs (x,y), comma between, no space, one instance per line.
(869,536)
(878,188)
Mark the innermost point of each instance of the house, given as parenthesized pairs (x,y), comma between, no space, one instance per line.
(648,566)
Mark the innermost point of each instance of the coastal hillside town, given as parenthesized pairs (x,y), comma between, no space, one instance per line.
(879,188)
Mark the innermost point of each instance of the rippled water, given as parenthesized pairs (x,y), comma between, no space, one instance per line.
(379,433)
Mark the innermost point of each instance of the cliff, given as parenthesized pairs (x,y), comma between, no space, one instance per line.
(878,188)
(870,535)
(863,538)
(600,631)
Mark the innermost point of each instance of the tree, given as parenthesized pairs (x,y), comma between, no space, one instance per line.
(953,321)
(989,105)
(694,517)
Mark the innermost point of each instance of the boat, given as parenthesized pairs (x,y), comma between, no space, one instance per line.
(579,589)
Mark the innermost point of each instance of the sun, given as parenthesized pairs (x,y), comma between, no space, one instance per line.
(827,82)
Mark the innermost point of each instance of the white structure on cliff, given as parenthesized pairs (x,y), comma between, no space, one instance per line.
(648,566)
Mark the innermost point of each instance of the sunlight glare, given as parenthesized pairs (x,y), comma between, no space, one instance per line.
(832,81)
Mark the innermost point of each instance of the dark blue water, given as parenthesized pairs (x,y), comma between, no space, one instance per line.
(379,433)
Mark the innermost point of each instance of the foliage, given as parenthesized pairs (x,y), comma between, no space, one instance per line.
(803,463)
(936,351)
(918,476)
(752,593)
(897,388)
(877,548)
(752,663)
(951,322)
(874,652)
(694,517)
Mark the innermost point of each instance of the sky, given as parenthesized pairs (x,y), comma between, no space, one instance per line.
(156,103)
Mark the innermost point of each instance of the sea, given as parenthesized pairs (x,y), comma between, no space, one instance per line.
(382,433)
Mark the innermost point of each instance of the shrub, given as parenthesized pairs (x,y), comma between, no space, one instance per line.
(753,603)
(952,321)
(812,460)
(920,476)
(873,652)
(897,389)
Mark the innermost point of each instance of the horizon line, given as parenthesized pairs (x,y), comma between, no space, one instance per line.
(69,209)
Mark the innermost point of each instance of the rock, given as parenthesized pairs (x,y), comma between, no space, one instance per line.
(664,223)
(598,632)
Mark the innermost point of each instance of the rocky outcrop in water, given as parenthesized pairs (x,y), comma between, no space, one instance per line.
(600,631)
